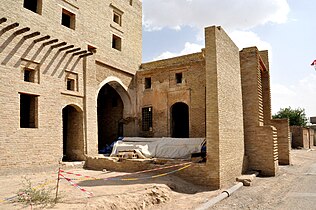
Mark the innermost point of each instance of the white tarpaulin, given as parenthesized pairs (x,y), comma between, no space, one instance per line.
(160,147)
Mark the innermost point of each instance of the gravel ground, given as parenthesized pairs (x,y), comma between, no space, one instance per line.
(293,188)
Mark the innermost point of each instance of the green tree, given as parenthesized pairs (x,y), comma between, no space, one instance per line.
(295,116)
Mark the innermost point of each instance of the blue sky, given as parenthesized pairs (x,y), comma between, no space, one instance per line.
(284,27)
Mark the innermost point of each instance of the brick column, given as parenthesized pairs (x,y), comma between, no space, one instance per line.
(90,106)
(261,140)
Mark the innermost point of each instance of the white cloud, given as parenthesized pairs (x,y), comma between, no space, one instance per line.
(298,95)
(232,15)
(241,38)
(249,39)
(237,18)
(282,90)
(188,48)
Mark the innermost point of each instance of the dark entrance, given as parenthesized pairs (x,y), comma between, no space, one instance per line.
(110,112)
(180,120)
(73,145)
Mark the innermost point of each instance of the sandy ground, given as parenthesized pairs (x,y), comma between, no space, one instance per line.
(162,193)
(167,192)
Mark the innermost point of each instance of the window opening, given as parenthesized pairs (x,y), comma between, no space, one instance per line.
(70,84)
(117,18)
(179,78)
(71,81)
(131,2)
(29,75)
(68,19)
(28,111)
(148,83)
(33,5)
(116,42)
(147,122)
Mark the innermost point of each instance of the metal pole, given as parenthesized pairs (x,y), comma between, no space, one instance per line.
(57,186)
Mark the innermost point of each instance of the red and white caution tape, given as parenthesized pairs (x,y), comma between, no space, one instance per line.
(88,177)
(90,194)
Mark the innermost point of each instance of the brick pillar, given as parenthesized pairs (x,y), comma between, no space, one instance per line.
(266,151)
(249,80)
(212,118)
(284,142)
(261,144)
(90,106)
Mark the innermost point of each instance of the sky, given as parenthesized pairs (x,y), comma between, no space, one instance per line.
(284,27)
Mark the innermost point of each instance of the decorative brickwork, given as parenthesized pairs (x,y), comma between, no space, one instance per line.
(266,141)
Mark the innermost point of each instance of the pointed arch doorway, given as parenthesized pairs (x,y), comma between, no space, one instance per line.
(110,114)
(180,120)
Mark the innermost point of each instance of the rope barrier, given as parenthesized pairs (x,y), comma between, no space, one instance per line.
(150,177)
(7,199)
(90,194)
(44,184)
(142,178)
(161,168)
(139,172)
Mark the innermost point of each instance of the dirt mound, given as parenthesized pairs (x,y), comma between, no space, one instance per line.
(163,193)
(136,201)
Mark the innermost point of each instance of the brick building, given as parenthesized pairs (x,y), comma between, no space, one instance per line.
(61,60)
(73,82)
(302,137)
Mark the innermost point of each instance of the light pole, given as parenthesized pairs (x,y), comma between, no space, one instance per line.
(314,64)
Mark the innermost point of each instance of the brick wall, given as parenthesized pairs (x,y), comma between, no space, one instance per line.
(224,127)
(297,136)
(165,92)
(196,173)
(302,137)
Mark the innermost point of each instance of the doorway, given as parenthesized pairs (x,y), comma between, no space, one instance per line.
(180,120)
(73,144)
(110,113)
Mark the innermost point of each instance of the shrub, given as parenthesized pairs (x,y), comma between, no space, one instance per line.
(30,195)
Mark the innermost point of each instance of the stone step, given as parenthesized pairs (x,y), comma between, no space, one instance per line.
(72,164)
(246,179)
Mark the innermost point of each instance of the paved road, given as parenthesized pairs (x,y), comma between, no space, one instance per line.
(302,195)
(293,188)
